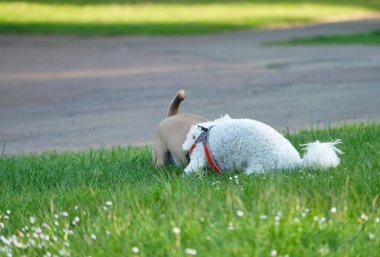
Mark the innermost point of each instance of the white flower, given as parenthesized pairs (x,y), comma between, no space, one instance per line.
(371,236)
(263,217)
(324,251)
(239,213)
(273,253)
(32,242)
(216,183)
(32,219)
(135,250)
(109,203)
(377,220)
(63,252)
(176,230)
(93,236)
(75,220)
(364,217)
(333,210)
(190,251)
(18,244)
(2,225)
(64,214)
(5,240)
(8,212)
(37,230)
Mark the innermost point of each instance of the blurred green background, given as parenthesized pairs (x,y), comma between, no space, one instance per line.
(167,17)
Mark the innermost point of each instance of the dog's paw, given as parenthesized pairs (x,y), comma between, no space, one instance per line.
(188,170)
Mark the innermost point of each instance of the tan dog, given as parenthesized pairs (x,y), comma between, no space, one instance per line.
(171,133)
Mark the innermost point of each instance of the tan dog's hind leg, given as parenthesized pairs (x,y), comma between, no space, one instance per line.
(160,153)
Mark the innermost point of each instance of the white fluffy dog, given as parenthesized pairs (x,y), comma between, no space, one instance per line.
(254,147)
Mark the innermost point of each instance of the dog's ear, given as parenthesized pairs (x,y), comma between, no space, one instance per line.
(226,117)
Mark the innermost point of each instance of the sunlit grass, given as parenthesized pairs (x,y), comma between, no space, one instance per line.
(114,202)
(166,18)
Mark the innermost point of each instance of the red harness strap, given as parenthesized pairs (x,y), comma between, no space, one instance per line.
(211,161)
(203,138)
(192,148)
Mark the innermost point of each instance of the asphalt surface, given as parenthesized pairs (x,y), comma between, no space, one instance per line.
(71,93)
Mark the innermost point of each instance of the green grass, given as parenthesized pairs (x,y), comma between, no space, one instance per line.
(289,212)
(170,17)
(370,38)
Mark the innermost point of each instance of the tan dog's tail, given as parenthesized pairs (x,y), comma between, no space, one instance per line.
(174,105)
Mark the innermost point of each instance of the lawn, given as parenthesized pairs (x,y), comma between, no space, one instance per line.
(369,38)
(115,203)
(170,17)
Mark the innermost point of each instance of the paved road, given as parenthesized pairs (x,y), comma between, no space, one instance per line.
(69,93)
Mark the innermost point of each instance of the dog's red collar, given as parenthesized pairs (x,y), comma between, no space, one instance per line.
(203,137)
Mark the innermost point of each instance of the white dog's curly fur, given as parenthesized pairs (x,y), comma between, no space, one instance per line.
(254,147)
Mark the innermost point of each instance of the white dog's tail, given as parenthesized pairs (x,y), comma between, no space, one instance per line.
(321,155)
